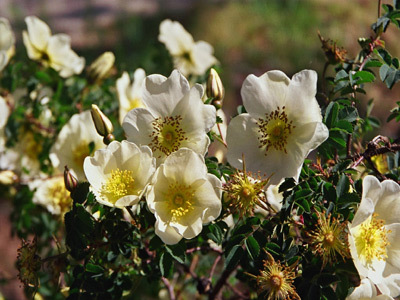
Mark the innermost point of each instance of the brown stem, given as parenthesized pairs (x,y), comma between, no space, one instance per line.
(220,283)
(348,145)
(169,287)
(379,8)
(222,137)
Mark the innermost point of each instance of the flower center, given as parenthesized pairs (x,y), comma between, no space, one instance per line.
(371,240)
(80,152)
(31,147)
(118,185)
(167,135)
(274,130)
(180,201)
(60,195)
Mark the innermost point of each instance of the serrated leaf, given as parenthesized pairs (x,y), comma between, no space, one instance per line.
(252,246)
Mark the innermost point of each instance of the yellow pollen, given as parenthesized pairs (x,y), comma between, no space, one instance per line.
(371,240)
(80,152)
(30,147)
(276,281)
(274,130)
(60,196)
(167,135)
(118,185)
(329,238)
(180,201)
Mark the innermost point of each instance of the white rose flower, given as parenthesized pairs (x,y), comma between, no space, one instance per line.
(282,126)
(190,58)
(120,173)
(130,93)
(7,41)
(4,113)
(375,233)
(183,196)
(367,290)
(52,194)
(72,144)
(52,50)
(174,117)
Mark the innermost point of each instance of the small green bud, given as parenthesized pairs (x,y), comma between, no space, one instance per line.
(103,124)
(215,89)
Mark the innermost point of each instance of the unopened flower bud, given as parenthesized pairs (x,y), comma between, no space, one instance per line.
(103,124)
(215,89)
(101,67)
(69,180)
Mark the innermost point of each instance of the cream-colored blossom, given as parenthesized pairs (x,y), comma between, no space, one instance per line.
(282,125)
(120,173)
(73,144)
(190,57)
(7,41)
(183,196)
(52,194)
(375,233)
(4,113)
(367,290)
(51,50)
(174,117)
(130,93)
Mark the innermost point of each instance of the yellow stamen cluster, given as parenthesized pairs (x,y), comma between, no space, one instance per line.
(329,239)
(180,200)
(276,280)
(28,264)
(60,196)
(371,240)
(167,135)
(80,152)
(244,193)
(118,185)
(274,130)
(30,147)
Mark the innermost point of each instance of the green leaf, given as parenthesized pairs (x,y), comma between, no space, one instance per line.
(337,138)
(383,71)
(94,268)
(178,252)
(273,248)
(252,246)
(166,264)
(233,257)
(364,77)
(331,114)
(342,186)
(373,63)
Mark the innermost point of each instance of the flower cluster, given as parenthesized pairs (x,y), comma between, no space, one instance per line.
(121,175)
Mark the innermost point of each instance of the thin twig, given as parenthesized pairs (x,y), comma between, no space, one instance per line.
(220,283)
(222,137)
(169,287)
